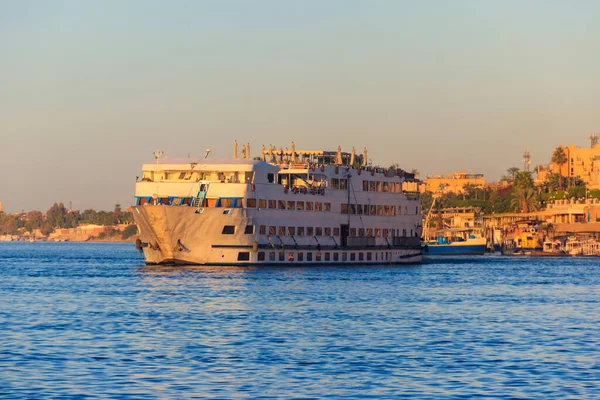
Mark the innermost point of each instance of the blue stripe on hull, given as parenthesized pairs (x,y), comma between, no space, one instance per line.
(442,250)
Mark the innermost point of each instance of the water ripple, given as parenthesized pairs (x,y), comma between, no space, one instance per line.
(88,321)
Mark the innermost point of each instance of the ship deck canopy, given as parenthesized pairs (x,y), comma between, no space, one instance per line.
(205,164)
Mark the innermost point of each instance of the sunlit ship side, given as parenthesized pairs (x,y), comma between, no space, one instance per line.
(286,207)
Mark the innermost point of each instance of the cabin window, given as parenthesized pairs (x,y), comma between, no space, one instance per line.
(226,203)
(262,230)
(319,231)
(386,186)
(365,186)
(244,256)
(404,232)
(343,184)
(373,210)
(353,232)
(359,209)
(386,232)
(228,230)
(262,203)
(399,210)
(344,208)
(309,256)
(300,256)
(272,203)
(281,230)
(327,231)
(309,206)
(398,188)
(291,230)
(300,231)
(336,231)
(318,256)
(361,256)
(318,206)
(379,210)
(327,256)
(379,186)
(372,186)
(352,256)
(352,209)
(336,256)
(291,205)
(370,232)
(251,203)
(281,204)
(261,256)
(291,256)
(309,231)
(369,256)
(239,203)
(326,206)
(270,177)
(344,256)
(300,205)
(377,232)
(248,177)
(392,187)
(335,183)
(361,232)
(249,230)
(386,210)
(272,230)
(272,256)
(392,210)
(281,256)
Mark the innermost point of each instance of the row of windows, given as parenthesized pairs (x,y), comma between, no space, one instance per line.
(289,205)
(326,231)
(379,186)
(318,256)
(315,231)
(367,209)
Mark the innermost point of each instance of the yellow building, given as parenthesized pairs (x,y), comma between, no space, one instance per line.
(452,183)
(582,163)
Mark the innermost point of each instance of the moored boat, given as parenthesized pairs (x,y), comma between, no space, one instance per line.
(456,241)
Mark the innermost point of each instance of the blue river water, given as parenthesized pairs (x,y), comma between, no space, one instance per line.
(90,321)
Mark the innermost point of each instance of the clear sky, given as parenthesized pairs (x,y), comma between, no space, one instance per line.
(89,89)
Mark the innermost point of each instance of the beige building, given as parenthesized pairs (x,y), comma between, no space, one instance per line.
(582,162)
(452,183)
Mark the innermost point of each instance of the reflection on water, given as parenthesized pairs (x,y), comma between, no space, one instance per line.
(87,320)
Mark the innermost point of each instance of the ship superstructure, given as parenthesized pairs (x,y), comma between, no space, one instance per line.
(285,207)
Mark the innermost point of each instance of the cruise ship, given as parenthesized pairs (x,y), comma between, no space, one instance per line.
(284,207)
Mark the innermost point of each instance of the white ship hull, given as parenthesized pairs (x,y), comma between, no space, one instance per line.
(180,235)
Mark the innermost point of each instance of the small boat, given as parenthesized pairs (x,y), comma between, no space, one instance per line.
(456,241)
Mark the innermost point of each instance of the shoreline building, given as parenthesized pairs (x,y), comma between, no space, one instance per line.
(582,163)
(452,183)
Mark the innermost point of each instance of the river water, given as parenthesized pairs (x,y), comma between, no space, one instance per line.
(90,321)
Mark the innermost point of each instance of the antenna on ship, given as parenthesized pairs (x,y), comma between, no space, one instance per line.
(206,154)
(526,160)
(594,139)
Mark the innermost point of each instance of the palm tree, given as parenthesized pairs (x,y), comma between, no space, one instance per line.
(524,201)
(512,172)
(559,157)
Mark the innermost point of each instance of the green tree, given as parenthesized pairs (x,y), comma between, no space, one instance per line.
(511,174)
(129,231)
(57,216)
(559,157)
(523,180)
(524,200)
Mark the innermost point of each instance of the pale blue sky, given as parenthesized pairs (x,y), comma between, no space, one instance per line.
(90,88)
